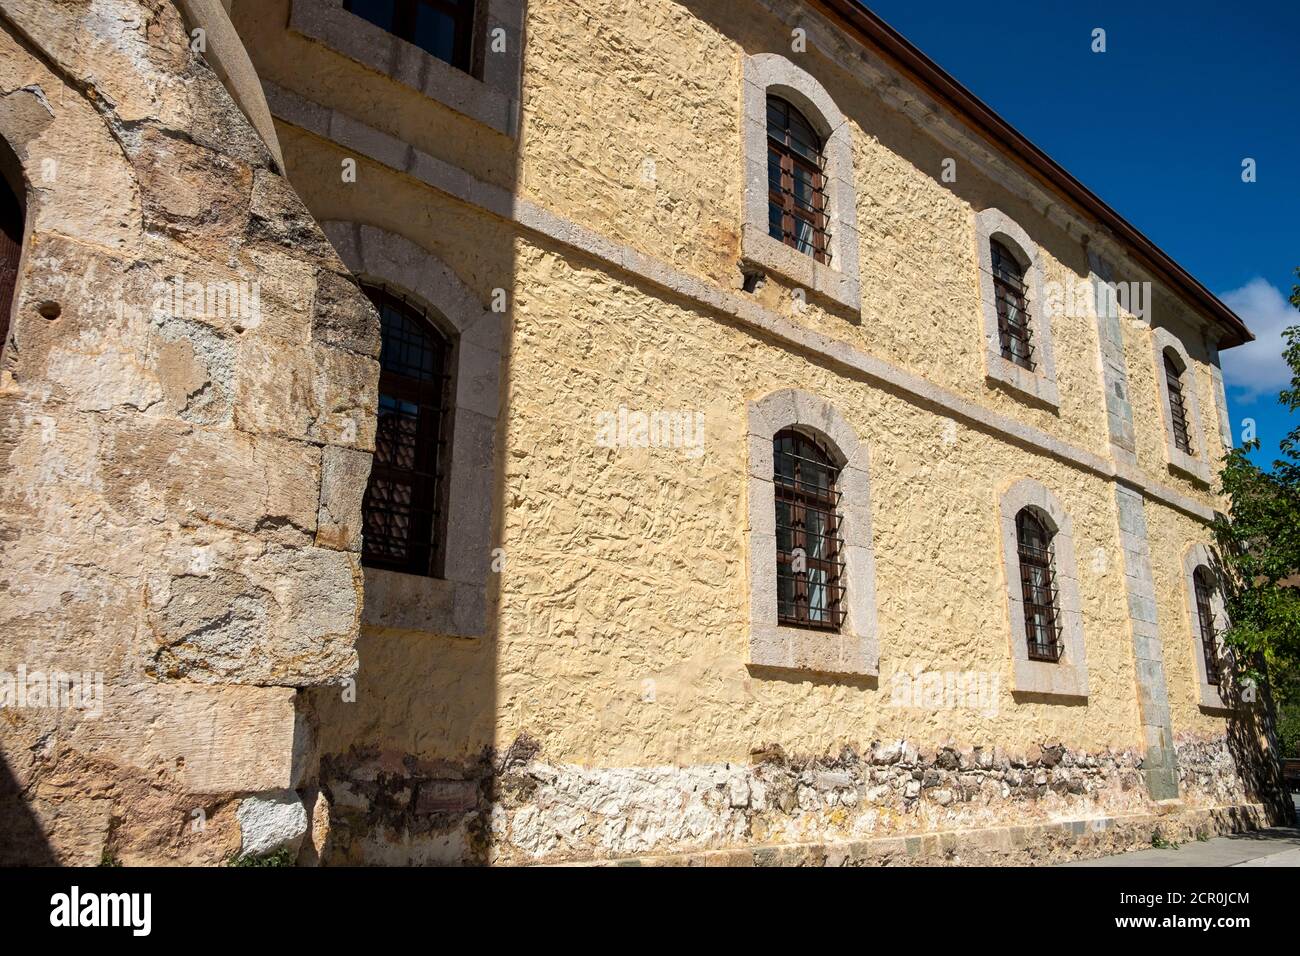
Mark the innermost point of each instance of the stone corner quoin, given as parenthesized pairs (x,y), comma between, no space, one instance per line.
(185,369)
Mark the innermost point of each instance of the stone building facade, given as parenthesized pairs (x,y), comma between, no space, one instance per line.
(514,432)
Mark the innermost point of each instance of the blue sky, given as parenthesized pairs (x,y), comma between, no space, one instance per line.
(1158,126)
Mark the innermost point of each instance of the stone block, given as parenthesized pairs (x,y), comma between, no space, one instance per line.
(344,475)
(271,821)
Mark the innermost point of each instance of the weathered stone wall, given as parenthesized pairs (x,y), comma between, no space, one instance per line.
(516,808)
(164,524)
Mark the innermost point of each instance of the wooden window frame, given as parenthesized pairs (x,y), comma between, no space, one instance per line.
(801,498)
(781,194)
(427,477)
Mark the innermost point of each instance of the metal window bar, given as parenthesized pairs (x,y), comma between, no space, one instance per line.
(1014,333)
(1038,589)
(1177,407)
(796,171)
(807,521)
(1205,613)
(402,511)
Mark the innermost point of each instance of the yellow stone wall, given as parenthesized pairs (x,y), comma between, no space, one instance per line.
(617,631)
(627,565)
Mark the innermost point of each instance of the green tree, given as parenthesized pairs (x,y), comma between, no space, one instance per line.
(1260,549)
(1288,729)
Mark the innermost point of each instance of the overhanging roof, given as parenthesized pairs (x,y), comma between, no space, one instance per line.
(871,31)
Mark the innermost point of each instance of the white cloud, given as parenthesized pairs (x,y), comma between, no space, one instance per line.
(1257,368)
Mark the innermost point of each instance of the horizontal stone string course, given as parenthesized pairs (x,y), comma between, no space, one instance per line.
(376,145)
(516,808)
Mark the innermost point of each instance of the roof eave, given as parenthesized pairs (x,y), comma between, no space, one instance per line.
(872,31)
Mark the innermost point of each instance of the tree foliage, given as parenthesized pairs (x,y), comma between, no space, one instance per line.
(1260,548)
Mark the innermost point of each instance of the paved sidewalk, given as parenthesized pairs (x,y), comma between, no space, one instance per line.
(1277,846)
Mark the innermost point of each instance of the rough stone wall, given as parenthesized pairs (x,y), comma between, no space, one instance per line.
(515,808)
(669,184)
(164,521)
(629,670)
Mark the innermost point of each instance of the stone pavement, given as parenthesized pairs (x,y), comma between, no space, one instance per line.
(1277,846)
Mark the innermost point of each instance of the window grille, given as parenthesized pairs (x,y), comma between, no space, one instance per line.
(809,545)
(796,182)
(1205,613)
(403,508)
(1038,587)
(1014,332)
(1177,407)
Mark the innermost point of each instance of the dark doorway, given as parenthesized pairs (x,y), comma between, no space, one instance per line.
(11,242)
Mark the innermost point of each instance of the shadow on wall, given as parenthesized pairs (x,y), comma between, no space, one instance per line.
(407,758)
(1250,724)
(22,840)
(407,762)
(1248,727)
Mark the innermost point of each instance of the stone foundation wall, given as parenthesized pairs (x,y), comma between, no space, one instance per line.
(1041,844)
(517,808)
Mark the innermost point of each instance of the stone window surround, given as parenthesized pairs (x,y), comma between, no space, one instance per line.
(1040,384)
(771,73)
(854,649)
(1069,676)
(1198,555)
(455,604)
(492,100)
(1195,465)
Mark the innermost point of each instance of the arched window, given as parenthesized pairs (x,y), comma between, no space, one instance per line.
(796,181)
(11,242)
(1014,332)
(1177,407)
(1203,586)
(812,568)
(1017,327)
(404,505)
(809,546)
(1038,585)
